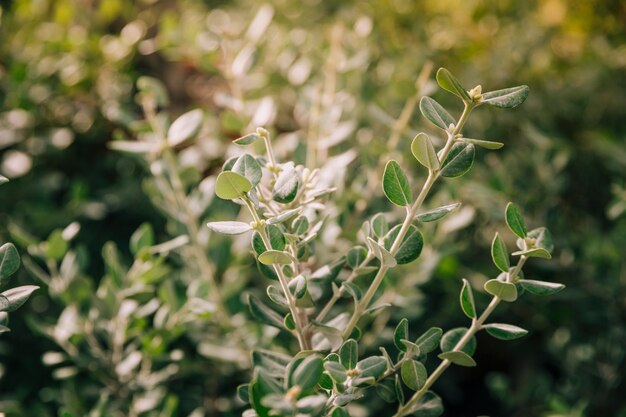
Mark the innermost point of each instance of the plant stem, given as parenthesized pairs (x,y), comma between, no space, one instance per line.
(407,408)
(337,294)
(406,224)
(186,217)
(299,319)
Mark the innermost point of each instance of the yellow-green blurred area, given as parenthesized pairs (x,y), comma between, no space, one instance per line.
(341,71)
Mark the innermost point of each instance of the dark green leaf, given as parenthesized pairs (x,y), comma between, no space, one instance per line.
(504,331)
(374,366)
(380,227)
(541,287)
(448,82)
(242,393)
(467,300)
(247,139)
(410,248)
(500,254)
(452,337)
(515,221)
(505,290)
(458,358)
(506,98)
(336,371)
(263,313)
(248,166)
(300,225)
(413,374)
(142,238)
(387,391)
(438,213)
(401,333)
(297,286)
(429,340)
(18,296)
(355,256)
(434,112)
(349,354)
(308,373)
(9,262)
(396,186)
(423,150)
(459,160)
(429,405)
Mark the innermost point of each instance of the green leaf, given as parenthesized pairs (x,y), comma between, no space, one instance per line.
(459,161)
(275,257)
(300,225)
(423,150)
(349,354)
(284,216)
(413,374)
(297,286)
(276,295)
(429,341)
(263,313)
(396,186)
(458,358)
(542,288)
(505,290)
(430,405)
(434,112)
(230,228)
(467,300)
(380,227)
(336,371)
(230,185)
(401,333)
(533,253)
(506,98)
(438,213)
(260,387)
(452,337)
(386,390)
(500,254)
(515,221)
(9,262)
(248,167)
(17,296)
(286,186)
(242,393)
(56,246)
(543,238)
(142,238)
(410,248)
(374,366)
(386,258)
(448,82)
(339,412)
(248,139)
(355,256)
(185,127)
(487,144)
(308,373)
(504,331)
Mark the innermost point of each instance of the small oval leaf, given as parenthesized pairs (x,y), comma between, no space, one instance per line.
(229,228)
(505,290)
(500,254)
(507,98)
(459,161)
(467,300)
(505,331)
(185,127)
(515,221)
(396,185)
(435,112)
(542,288)
(413,374)
(423,150)
(448,82)
(230,185)
(458,358)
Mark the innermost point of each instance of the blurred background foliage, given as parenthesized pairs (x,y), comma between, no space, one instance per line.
(120,328)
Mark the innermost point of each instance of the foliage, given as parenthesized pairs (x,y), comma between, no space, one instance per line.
(346,79)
